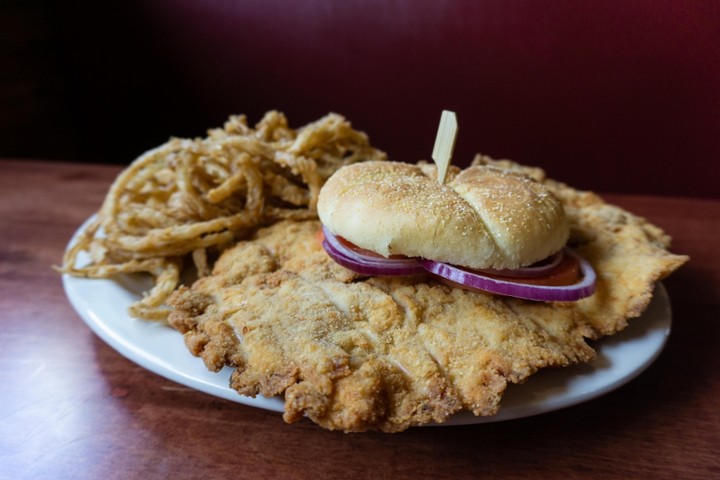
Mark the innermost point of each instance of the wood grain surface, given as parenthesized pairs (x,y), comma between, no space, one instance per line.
(72,407)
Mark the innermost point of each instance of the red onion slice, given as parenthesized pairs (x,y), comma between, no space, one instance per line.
(566,293)
(366,265)
(381,266)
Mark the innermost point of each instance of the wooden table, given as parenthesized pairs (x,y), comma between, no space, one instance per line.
(71,407)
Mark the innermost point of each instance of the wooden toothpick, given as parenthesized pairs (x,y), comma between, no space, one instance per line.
(445,143)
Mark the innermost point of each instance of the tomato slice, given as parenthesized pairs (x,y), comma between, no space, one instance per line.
(367,253)
(566,273)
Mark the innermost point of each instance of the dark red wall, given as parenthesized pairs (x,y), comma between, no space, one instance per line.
(611,95)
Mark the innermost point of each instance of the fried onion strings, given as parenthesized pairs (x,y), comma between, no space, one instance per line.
(187,198)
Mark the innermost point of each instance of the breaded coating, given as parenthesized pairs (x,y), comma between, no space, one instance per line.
(355,353)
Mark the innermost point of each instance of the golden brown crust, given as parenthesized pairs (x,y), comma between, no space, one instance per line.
(354,353)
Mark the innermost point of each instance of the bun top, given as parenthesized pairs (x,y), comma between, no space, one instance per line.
(482,217)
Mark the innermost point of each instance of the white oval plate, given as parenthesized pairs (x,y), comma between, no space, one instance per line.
(102,304)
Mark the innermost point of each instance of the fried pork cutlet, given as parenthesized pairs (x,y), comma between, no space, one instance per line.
(355,353)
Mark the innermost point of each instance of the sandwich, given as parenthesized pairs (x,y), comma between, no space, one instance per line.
(485,228)
(381,345)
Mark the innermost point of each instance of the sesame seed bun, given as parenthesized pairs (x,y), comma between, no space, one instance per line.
(482,217)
